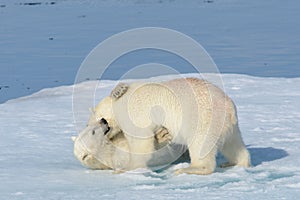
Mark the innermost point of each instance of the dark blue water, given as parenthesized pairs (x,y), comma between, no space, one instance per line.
(43,45)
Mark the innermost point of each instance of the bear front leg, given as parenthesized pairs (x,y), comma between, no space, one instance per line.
(141,150)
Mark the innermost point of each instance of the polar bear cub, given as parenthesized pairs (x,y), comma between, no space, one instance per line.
(96,148)
(197,114)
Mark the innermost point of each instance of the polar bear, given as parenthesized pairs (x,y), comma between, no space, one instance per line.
(198,115)
(96,148)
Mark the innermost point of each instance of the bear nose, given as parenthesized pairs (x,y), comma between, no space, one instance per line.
(103,121)
(108,129)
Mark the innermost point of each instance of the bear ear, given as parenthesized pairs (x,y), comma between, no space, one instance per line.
(73,138)
(119,90)
(92,110)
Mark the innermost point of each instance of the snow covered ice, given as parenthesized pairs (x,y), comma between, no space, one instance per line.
(42,44)
(37,161)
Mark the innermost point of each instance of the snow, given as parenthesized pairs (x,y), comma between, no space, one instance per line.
(37,162)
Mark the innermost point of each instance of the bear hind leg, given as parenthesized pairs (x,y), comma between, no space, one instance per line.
(235,151)
(200,166)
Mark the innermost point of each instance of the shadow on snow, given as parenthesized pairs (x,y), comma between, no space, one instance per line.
(260,155)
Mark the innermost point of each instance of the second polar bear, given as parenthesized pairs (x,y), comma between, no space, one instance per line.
(197,114)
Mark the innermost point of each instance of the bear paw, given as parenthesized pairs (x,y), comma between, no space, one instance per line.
(227,164)
(119,90)
(194,170)
(162,135)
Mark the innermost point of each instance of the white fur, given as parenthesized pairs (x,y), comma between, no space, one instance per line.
(196,113)
(97,150)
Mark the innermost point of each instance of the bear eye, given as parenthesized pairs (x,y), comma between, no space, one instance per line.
(84,157)
(93,132)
